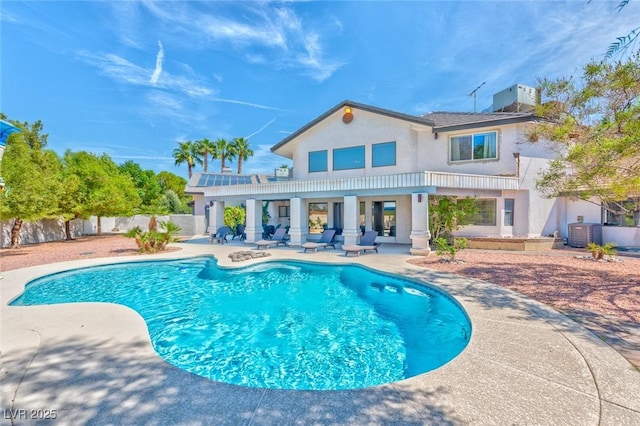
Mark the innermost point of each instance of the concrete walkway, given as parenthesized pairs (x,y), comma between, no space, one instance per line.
(525,364)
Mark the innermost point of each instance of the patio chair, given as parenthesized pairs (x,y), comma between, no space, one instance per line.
(367,242)
(326,240)
(279,237)
(221,235)
(239,232)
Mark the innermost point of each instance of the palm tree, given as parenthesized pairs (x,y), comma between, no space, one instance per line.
(242,150)
(224,151)
(187,152)
(206,147)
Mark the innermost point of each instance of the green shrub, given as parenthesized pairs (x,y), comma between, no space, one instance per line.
(234,215)
(444,248)
(154,241)
(598,251)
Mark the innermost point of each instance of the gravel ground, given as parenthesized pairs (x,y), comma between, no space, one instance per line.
(557,278)
(603,296)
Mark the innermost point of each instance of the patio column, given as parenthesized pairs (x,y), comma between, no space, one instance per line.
(420,234)
(216,216)
(299,221)
(254,221)
(351,230)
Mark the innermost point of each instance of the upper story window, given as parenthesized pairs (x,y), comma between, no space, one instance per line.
(348,158)
(383,154)
(318,161)
(477,146)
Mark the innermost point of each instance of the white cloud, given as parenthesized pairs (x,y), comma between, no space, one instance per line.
(250,104)
(159,60)
(286,42)
(121,70)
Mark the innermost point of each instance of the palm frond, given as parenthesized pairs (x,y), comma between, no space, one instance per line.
(623,43)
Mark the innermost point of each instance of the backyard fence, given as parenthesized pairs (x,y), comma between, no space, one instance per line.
(53,230)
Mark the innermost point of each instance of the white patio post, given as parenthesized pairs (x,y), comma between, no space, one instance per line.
(254,221)
(351,230)
(216,217)
(299,221)
(420,234)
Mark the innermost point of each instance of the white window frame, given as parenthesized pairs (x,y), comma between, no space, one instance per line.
(472,136)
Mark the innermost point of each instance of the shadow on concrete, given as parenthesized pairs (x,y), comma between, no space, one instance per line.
(90,381)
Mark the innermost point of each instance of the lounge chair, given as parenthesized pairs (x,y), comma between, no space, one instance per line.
(279,237)
(367,242)
(326,240)
(221,235)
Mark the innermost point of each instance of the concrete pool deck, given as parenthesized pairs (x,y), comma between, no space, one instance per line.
(93,363)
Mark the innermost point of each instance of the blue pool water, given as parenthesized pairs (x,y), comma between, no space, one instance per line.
(285,325)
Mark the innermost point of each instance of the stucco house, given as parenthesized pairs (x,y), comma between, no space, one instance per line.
(358,167)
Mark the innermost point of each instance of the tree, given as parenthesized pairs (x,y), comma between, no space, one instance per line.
(224,151)
(145,181)
(105,190)
(71,203)
(187,152)
(242,150)
(171,181)
(448,214)
(593,126)
(206,147)
(32,178)
(174,204)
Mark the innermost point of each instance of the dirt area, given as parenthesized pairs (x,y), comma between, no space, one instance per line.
(62,251)
(557,278)
(603,296)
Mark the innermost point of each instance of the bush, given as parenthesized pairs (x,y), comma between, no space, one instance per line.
(154,241)
(598,251)
(444,248)
(234,216)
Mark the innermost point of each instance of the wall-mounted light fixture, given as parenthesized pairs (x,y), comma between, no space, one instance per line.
(348,115)
(419,198)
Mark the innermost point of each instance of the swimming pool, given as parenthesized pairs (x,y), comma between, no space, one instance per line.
(285,325)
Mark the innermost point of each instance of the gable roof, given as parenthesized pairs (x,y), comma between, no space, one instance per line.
(439,121)
(356,105)
(448,121)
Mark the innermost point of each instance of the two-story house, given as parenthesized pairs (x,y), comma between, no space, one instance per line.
(358,167)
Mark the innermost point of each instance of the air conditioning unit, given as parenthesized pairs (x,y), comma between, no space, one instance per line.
(581,234)
(517,98)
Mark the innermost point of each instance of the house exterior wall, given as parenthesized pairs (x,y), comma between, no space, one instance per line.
(422,165)
(417,147)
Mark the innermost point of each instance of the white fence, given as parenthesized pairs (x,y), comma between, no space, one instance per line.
(53,230)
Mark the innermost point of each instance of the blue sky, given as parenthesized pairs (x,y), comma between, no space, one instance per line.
(132,79)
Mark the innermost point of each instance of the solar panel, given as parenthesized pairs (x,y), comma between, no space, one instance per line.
(217,179)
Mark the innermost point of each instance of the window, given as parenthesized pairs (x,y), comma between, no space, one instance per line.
(318,161)
(622,213)
(486,215)
(348,158)
(508,211)
(283,211)
(383,154)
(479,146)
(318,217)
(383,217)
(363,220)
